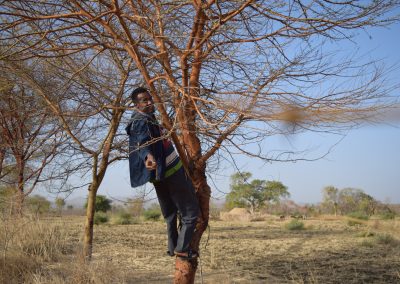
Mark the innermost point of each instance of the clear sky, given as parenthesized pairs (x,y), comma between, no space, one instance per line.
(367,158)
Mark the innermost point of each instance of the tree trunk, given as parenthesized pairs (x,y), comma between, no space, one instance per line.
(19,200)
(90,210)
(185,270)
(20,187)
(2,156)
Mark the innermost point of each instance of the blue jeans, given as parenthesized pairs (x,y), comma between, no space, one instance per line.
(176,194)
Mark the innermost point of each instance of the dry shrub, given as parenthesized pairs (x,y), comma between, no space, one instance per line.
(25,244)
(367,243)
(386,239)
(43,240)
(35,251)
(257,218)
(17,268)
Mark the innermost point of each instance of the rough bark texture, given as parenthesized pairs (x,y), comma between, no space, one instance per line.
(88,237)
(185,271)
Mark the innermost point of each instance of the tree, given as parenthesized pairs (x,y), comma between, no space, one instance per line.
(356,200)
(253,194)
(89,112)
(274,191)
(38,204)
(214,68)
(368,204)
(60,203)
(102,204)
(31,136)
(330,198)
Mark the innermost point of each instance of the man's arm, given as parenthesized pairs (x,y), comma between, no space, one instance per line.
(142,134)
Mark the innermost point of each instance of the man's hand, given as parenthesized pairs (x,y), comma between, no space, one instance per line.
(150,162)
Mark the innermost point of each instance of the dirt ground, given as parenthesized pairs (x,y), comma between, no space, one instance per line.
(326,251)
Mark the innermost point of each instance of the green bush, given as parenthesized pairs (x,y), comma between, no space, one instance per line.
(123,218)
(152,214)
(100,218)
(353,223)
(388,216)
(358,215)
(102,203)
(365,234)
(295,225)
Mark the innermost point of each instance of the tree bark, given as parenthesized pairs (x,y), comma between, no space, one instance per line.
(185,270)
(2,156)
(90,210)
(20,186)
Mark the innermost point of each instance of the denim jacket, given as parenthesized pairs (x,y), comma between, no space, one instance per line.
(143,131)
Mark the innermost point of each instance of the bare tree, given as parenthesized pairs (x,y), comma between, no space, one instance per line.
(89,111)
(31,137)
(222,73)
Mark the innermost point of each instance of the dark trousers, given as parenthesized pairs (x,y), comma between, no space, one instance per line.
(176,193)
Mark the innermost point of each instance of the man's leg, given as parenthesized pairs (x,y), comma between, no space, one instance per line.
(184,197)
(169,212)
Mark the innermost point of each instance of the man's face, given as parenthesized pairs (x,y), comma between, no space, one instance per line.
(145,103)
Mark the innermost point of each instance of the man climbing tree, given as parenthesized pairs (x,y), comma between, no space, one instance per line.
(222,74)
(152,158)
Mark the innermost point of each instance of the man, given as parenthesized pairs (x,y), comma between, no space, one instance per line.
(153,158)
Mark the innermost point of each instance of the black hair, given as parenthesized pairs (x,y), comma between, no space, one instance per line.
(136,92)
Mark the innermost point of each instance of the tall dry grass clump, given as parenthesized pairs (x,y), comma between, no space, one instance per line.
(40,250)
(25,244)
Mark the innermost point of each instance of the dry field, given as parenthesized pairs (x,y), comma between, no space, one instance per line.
(328,250)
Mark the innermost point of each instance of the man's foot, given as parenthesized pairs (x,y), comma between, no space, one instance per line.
(170,254)
(187,254)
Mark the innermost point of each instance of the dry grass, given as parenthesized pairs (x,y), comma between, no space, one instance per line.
(47,251)
(326,251)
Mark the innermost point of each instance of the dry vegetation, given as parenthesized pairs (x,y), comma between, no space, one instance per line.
(327,250)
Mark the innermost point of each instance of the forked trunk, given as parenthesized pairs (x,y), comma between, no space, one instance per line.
(185,270)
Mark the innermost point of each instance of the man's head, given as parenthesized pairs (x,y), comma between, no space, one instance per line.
(143,100)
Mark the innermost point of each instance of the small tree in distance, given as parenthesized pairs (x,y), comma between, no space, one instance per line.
(330,198)
(253,194)
(60,203)
(38,205)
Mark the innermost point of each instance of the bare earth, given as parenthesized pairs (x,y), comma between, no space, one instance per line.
(326,251)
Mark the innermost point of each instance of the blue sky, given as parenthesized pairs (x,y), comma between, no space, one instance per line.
(367,158)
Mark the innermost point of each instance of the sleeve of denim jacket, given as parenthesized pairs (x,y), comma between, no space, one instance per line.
(140,133)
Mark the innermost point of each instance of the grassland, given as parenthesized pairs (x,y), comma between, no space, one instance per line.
(326,250)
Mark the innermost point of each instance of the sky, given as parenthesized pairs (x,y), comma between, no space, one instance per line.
(367,158)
